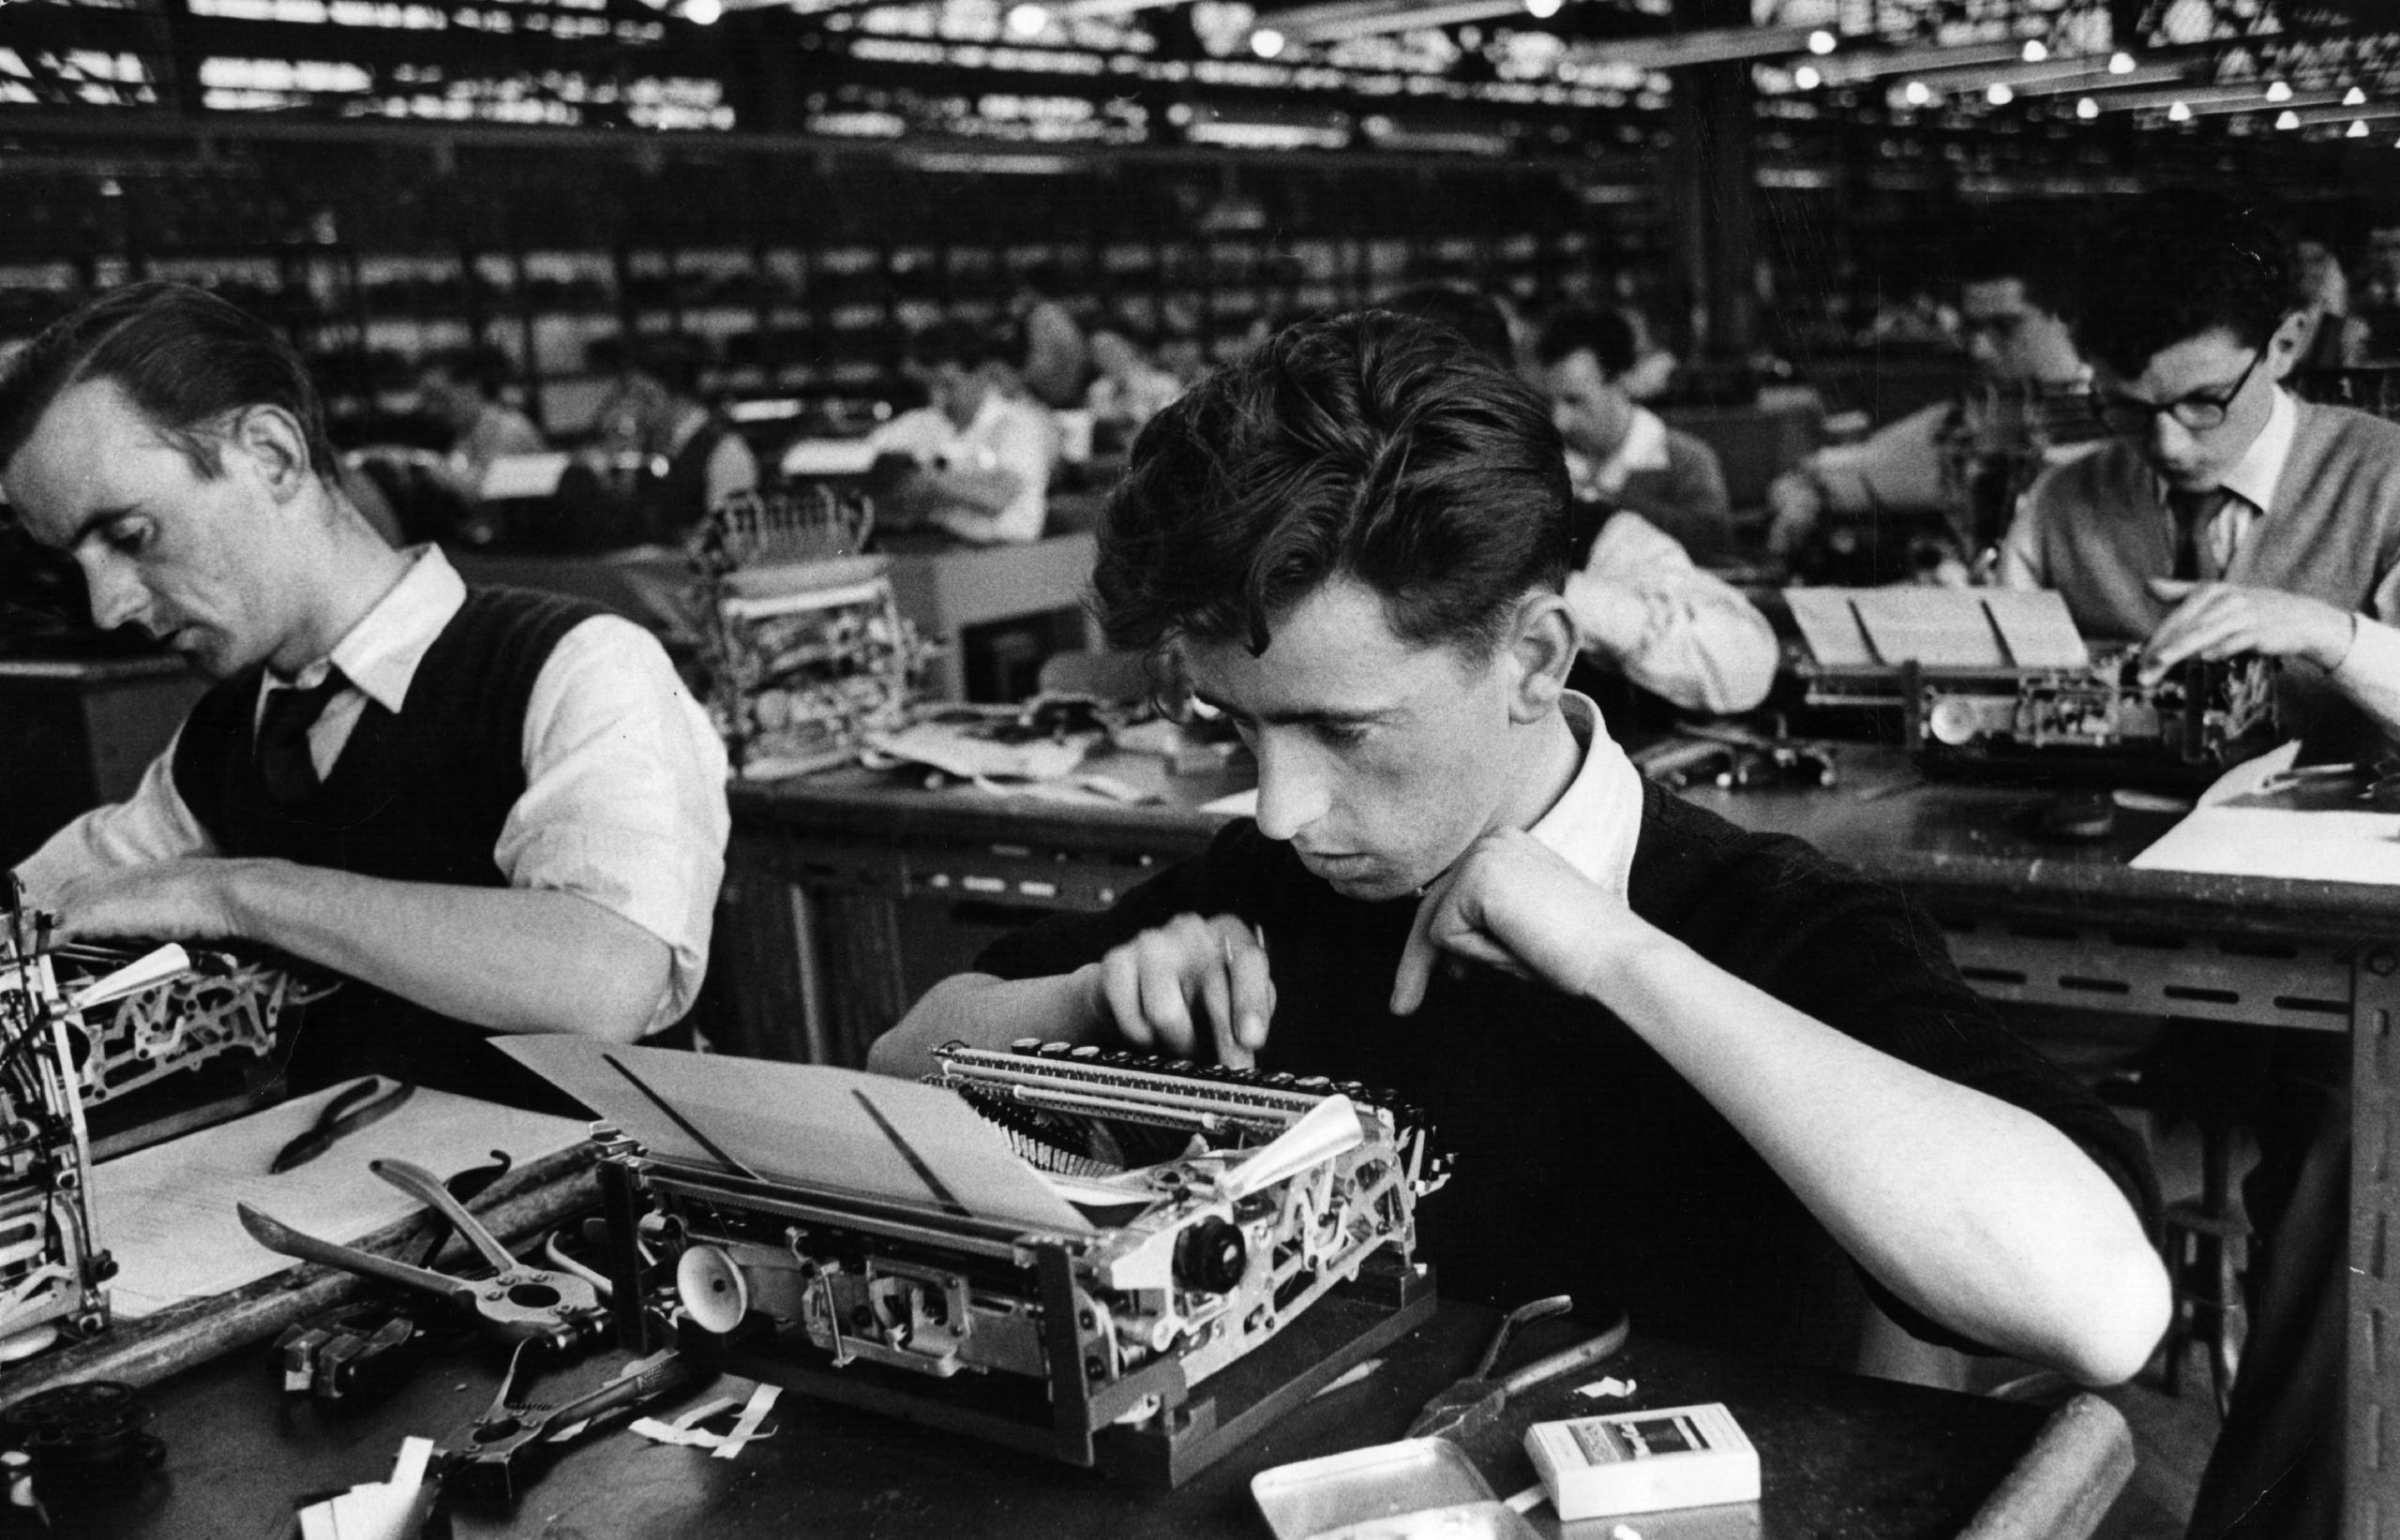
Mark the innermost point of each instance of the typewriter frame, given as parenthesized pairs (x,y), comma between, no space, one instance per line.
(1020,1337)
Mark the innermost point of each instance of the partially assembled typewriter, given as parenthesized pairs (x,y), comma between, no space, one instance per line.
(1996,682)
(1225,1243)
(83,1025)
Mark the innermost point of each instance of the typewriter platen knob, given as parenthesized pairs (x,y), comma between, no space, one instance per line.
(1211,1257)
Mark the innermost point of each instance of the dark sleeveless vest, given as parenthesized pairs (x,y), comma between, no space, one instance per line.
(419,796)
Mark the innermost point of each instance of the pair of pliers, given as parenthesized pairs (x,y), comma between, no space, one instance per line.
(521,1302)
(486,1461)
(370,1101)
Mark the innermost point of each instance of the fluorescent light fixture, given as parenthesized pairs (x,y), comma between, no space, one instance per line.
(1821,42)
(2089,81)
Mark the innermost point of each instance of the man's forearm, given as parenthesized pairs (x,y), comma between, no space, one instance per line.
(986,492)
(1976,1212)
(986,1012)
(515,960)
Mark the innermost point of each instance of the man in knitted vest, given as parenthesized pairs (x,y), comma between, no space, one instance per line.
(2228,517)
(1683,1069)
(488,810)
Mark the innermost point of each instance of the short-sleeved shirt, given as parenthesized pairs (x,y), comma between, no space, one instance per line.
(1584,1164)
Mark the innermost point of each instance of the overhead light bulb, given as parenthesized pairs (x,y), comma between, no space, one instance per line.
(1807,77)
(2036,51)
(2279,91)
(2288,119)
(1821,42)
(702,12)
(2121,63)
(1026,21)
(1916,93)
(1267,42)
(2087,109)
(1999,95)
(2354,97)
(2358,128)
(2178,112)
(1542,10)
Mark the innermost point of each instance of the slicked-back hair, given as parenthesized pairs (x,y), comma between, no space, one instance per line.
(2176,265)
(1368,446)
(952,341)
(186,358)
(1606,334)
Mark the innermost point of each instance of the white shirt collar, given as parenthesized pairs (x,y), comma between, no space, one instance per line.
(2253,476)
(1596,821)
(379,654)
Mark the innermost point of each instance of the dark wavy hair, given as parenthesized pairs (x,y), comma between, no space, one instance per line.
(184,356)
(1607,333)
(2176,265)
(1367,445)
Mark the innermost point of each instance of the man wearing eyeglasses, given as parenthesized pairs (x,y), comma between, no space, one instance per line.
(2228,518)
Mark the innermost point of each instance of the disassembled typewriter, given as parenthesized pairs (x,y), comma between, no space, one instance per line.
(1250,1239)
(2190,726)
(81,1024)
(802,639)
(2000,682)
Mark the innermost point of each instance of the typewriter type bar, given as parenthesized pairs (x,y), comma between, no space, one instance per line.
(1211,1295)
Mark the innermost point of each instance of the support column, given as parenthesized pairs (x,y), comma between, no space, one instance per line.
(1712,196)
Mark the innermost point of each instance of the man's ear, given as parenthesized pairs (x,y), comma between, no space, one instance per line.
(1542,650)
(2282,347)
(274,442)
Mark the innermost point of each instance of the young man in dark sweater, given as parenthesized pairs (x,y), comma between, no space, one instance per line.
(489,810)
(1675,1061)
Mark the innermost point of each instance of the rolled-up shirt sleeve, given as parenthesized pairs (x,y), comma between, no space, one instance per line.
(153,825)
(624,796)
(1698,643)
(2369,672)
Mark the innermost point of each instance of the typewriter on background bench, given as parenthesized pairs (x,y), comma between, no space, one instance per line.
(1111,1260)
(1994,682)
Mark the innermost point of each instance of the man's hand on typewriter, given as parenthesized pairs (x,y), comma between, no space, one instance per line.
(1515,904)
(1151,982)
(184,899)
(2220,620)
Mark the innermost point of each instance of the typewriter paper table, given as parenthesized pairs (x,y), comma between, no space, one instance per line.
(1860,1458)
(878,890)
